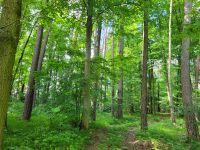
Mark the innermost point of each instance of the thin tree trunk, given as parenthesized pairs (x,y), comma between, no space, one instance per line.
(43,49)
(158,102)
(105,91)
(144,95)
(104,64)
(31,84)
(39,67)
(179,93)
(105,44)
(190,121)
(113,82)
(9,38)
(86,88)
(169,83)
(47,87)
(153,90)
(150,89)
(97,52)
(196,84)
(196,70)
(22,54)
(120,85)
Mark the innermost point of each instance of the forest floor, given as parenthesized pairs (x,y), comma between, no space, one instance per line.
(44,132)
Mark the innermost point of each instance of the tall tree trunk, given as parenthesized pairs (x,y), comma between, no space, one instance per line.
(43,49)
(190,121)
(104,64)
(31,84)
(196,86)
(196,70)
(169,83)
(40,62)
(144,95)
(9,38)
(97,52)
(113,81)
(151,89)
(158,95)
(86,88)
(120,85)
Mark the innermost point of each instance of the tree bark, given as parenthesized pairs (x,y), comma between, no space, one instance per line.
(153,89)
(169,78)
(151,78)
(86,87)
(39,67)
(144,95)
(158,95)
(113,81)
(9,38)
(97,52)
(104,63)
(120,85)
(190,121)
(31,84)
(196,70)
(43,49)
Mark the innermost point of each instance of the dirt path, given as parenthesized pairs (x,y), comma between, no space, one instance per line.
(131,143)
(99,136)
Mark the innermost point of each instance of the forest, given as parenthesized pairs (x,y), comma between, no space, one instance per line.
(99,74)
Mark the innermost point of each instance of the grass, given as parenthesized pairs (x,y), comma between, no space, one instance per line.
(41,132)
(165,135)
(161,132)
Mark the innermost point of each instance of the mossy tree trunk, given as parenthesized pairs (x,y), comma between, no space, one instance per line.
(9,37)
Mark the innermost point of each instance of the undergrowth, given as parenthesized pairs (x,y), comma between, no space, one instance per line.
(45,131)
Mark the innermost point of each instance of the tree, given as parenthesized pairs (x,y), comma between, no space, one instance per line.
(9,37)
(113,80)
(120,85)
(43,49)
(196,70)
(96,54)
(144,71)
(22,54)
(29,98)
(169,78)
(190,121)
(86,87)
